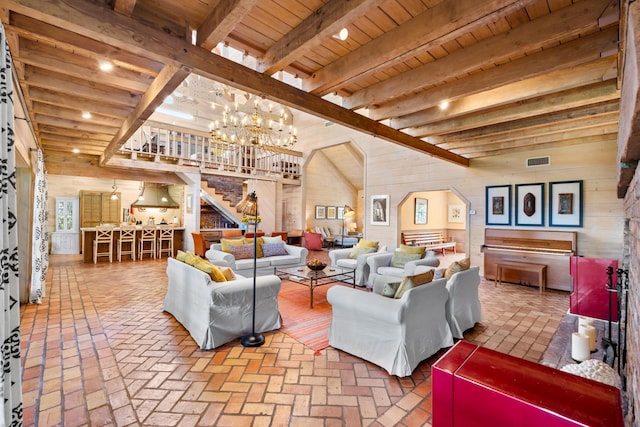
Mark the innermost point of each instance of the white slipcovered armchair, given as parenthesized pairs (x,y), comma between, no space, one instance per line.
(341,258)
(463,306)
(395,334)
(380,265)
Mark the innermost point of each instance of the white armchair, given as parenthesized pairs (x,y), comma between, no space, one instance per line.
(380,265)
(463,306)
(341,258)
(395,334)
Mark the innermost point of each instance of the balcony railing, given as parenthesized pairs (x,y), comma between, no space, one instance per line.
(157,141)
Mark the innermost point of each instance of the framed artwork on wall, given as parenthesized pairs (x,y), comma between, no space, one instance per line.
(380,210)
(421,211)
(498,205)
(456,213)
(530,204)
(321,212)
(331,212)
(189,203)
(565,204)
(340,212)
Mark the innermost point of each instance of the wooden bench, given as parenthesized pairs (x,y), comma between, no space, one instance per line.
(432,240)
(541,269)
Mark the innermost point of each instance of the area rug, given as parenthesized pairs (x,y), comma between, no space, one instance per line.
(309,326)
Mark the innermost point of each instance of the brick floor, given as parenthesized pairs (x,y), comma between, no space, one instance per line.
(100,351)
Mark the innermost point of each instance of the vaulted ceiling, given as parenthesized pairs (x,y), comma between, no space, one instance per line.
(517,75)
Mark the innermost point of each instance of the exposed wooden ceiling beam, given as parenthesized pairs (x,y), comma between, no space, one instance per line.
(124,7)
(566,22)
(570,99)
(443,22)
(313,31)
(221,21)
(75,124)
(556,81)
(119,162)
(74,114)
(46,96)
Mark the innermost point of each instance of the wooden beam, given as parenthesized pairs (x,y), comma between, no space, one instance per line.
(221,21)
(312,32)
(75,133)
(74,115)
(118,162)
(545,31)
(46,96)
(570,99)
(556,81)
(75,124)
(124,7)
(566,56)
(442,23)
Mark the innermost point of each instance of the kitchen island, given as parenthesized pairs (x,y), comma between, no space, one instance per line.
(89,234)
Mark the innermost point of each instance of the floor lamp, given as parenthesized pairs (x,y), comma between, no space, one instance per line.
(348,212)
(249,207)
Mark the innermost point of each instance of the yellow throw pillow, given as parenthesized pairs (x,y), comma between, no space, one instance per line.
(359,250)
(368,244)
(228,273)
(465,263)
(191,258)
(213,271)
(421,250)
(410,282)
(259,251)
(181,256)
(453,268)
(226,243)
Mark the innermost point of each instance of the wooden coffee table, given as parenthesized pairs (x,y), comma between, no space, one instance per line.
(303,275)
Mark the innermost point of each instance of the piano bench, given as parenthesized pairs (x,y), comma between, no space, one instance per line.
(541,269)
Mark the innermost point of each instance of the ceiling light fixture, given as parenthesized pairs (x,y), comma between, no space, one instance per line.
(114,196)
(141,193)
(75,151)
(86,115)
(444,105)
(105,65)
(253,124)
(342,35)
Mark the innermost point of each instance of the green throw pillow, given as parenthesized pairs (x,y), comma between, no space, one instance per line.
(413,249)
(399,258)
(359,250)
(390,289)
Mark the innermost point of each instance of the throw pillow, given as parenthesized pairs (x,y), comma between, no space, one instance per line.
(390,289)
(191,258)
(274,239)
(228,273)
(242,251)
(453,268)
(411,282)
(225,244)
(213,271)
(181,256)
(274,249)
(465,263)
(259,247)
(359,250)
(399,259)
(368,243)
(413,249)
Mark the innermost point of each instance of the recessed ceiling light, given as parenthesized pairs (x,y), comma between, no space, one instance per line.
(105,65)
(342,35)
(443,105)
(86,115)
(75,151)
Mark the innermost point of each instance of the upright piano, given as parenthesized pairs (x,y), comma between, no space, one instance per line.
(551,248)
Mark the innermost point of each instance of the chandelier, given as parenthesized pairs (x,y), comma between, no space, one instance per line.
(252,124)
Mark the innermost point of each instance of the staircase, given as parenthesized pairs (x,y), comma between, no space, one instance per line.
(224,193)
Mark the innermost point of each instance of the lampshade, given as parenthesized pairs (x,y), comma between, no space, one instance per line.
(348,212)
(249,205)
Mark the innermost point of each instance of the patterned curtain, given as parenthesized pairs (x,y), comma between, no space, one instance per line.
(10,383)
(40,244)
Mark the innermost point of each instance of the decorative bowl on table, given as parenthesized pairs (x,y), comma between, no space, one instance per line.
(316,265)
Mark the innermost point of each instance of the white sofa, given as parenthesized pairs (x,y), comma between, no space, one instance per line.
(395,334)
(216,313)
(297,255)
(341,258)
(380,265)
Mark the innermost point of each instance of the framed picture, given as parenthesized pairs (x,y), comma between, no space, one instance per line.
(565,204)
(331,212)
(380,210)
(321,212)
(498,204)
(420,211)
(340,212)
(530,204)
(456,213)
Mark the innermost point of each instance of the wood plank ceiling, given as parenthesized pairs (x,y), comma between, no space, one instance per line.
(517,75)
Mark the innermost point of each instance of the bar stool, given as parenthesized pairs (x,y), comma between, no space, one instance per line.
(148,235)
(127,235)
(165,236)
(104,238)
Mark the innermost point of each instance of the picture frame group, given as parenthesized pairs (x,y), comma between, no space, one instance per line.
(329,212)
(564,204)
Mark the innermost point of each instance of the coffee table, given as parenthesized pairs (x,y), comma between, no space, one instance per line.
(303,275)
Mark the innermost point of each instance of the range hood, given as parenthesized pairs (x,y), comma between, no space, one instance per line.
(155,196)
